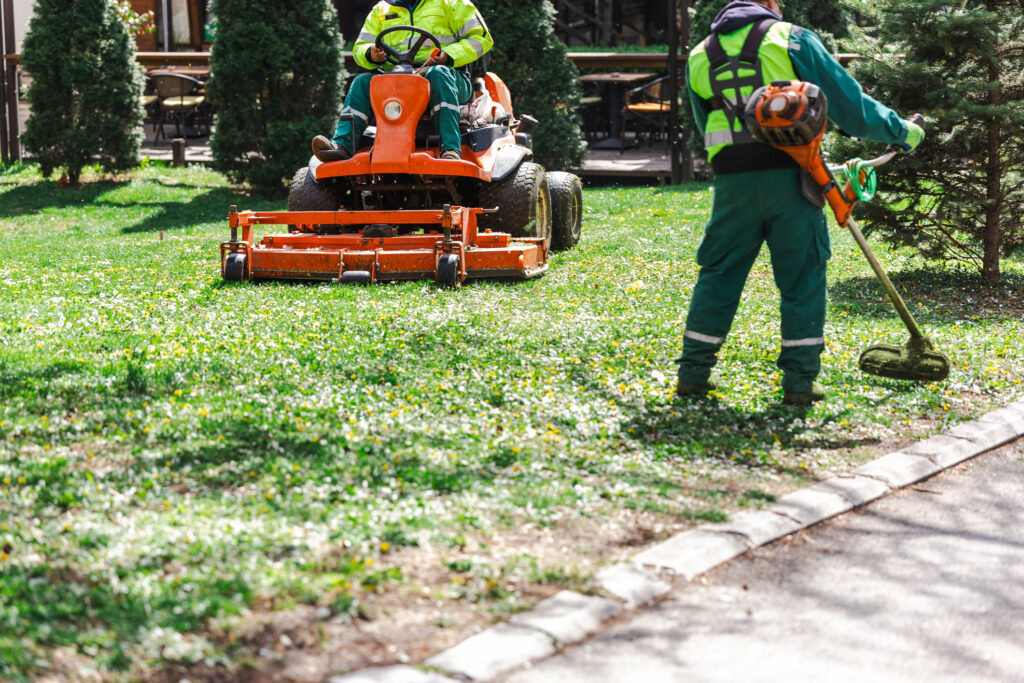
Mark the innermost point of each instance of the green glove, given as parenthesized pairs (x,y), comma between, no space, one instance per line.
(915,134)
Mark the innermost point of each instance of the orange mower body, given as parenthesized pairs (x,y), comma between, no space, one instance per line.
(396,211)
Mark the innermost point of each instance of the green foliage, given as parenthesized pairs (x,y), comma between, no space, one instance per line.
(277,77)
(138,24)
(531,60)
(85,88)
(960,195)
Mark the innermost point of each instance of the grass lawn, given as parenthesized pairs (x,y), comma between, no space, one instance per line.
(197,476)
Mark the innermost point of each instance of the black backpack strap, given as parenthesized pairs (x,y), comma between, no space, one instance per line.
(728,66)
(752,45)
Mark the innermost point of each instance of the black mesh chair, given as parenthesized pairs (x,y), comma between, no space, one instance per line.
(182,101)
(647,109)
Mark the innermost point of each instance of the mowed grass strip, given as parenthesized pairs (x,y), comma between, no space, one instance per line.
(177,450)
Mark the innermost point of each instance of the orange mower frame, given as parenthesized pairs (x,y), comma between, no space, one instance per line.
(396,211)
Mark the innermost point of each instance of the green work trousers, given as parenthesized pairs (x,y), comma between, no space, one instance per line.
(749,209)
(448,89)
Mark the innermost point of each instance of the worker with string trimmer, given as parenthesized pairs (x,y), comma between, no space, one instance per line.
(762,195)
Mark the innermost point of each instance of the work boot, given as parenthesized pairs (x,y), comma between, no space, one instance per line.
(452,154)
(325,149)
(804,398)
(695,389)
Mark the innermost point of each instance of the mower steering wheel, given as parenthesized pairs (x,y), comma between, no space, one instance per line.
(393,56)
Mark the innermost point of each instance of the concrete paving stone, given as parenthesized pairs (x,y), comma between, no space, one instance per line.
(758,527)
(899,469)
(857,490)
(568,617)
(810,506)
(693,552)
(631,583)
(1012,415)
(987,431)
(391,674)
(492,652)
(945,450)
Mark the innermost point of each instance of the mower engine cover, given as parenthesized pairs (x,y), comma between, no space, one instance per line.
(787,113)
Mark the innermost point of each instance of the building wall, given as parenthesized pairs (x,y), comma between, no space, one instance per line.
(23,11)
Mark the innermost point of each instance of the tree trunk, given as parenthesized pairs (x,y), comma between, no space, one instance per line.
(993,205)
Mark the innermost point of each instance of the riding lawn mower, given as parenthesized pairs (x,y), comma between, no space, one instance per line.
(396,211)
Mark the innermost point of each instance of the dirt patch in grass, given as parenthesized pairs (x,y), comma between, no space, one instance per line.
(445,595)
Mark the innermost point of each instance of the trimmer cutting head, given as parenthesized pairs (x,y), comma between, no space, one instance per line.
(916,360)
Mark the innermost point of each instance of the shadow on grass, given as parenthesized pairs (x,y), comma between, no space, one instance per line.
(935,294)
(29,199)
(208,207)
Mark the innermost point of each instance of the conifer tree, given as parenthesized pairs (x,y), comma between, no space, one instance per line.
(960,195)
(85,89)
(277,81)
(531,61)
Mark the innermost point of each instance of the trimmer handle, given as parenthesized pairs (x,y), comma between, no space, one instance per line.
(919,120)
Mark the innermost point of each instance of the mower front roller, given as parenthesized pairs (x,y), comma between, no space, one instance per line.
(448,256)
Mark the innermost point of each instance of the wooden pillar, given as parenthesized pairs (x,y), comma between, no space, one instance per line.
(4,152)
(684,41)
(11,83)
(673,90)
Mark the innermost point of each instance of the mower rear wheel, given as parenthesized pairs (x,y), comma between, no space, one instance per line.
(448,271)
(566,209)
(306,194)
(523,201)
(234,267)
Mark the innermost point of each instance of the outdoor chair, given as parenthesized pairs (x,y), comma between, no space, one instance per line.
(593,116)
(182,101)
(150,104)
(646,108)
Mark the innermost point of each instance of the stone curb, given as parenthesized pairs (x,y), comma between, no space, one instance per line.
(570,617)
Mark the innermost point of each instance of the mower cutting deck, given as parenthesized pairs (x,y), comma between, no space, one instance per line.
(395,210)
(449,255)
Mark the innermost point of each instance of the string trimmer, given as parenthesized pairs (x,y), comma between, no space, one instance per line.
(791,116)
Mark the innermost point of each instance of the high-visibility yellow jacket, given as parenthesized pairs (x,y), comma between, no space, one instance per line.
(457,24)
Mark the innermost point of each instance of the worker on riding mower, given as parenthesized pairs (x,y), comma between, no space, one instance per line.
(464,38)
(760,193)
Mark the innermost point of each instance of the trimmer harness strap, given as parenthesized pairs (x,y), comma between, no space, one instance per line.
(725,76)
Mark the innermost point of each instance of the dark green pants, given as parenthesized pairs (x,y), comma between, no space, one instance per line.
(448,89)
(749,209)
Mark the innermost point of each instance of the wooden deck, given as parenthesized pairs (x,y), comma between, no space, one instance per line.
(639,162)
(650,162)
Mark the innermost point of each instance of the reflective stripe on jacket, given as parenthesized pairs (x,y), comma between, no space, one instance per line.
(457,24)
(776,65)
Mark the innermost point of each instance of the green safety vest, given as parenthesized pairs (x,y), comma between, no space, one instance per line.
(741,65)
(457,25)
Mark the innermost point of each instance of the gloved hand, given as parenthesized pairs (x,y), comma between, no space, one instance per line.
(915,134)
(436,57)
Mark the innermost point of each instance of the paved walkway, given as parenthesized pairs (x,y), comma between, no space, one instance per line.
(926,584)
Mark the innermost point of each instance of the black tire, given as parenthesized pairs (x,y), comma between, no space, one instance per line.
(523,201)
(356,277)
(566,209)
(448,271)
(306,194)
(234,267)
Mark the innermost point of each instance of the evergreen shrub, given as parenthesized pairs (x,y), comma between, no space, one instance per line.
(531,61)
(277,75)
(85,91)
(960,195)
